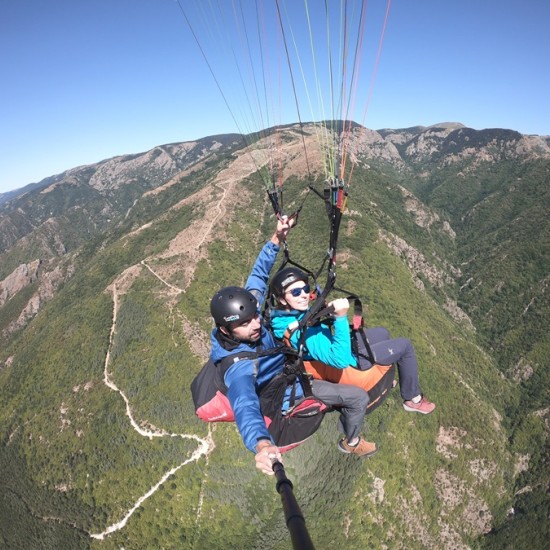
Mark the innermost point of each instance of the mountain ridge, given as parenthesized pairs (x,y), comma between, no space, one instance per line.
(223,139)
(168,245)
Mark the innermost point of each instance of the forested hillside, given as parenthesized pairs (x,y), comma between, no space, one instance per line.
(105,283)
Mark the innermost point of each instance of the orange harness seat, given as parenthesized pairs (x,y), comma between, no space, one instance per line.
(377,380)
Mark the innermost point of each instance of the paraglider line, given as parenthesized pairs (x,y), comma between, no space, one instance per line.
(293,87)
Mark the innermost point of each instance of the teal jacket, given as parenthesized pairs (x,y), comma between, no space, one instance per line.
(332,347)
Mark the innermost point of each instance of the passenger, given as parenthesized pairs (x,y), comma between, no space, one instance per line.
(332,345)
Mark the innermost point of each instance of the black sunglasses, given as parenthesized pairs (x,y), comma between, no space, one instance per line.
(297,291)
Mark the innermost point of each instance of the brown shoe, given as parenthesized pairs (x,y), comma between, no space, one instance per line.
(363,448)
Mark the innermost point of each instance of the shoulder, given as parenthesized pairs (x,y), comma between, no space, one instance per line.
(220,349)
(280,319)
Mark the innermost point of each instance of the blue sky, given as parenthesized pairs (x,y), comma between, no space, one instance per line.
(83,81)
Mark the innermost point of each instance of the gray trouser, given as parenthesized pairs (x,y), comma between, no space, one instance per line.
(388,350)
(350,401)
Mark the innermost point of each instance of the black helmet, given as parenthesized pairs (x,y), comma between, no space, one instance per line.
(233,304)
(284,278)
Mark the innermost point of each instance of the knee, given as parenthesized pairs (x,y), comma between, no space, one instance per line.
(353,397)
(378,334)
(361,398)
(404,344)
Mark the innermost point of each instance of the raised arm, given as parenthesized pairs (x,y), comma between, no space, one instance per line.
(259,276)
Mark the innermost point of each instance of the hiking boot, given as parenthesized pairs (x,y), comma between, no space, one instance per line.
(363,448)
(423,406)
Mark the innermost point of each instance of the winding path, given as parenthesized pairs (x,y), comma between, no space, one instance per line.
(204,448)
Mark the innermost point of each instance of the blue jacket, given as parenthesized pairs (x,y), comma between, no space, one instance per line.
(244,378)
(332,347)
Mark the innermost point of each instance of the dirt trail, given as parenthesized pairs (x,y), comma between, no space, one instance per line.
(188,248)
(204,448)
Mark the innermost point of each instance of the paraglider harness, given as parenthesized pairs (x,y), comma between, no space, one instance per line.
(302,417)
(335,196)
(289,426)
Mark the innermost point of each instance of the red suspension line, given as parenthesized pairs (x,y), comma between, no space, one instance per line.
(374,72)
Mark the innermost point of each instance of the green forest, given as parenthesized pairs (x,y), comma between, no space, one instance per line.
(474,474)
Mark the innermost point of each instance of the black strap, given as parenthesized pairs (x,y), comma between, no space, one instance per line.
(294,370)
(230,360)
(355,347)
(223,365)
